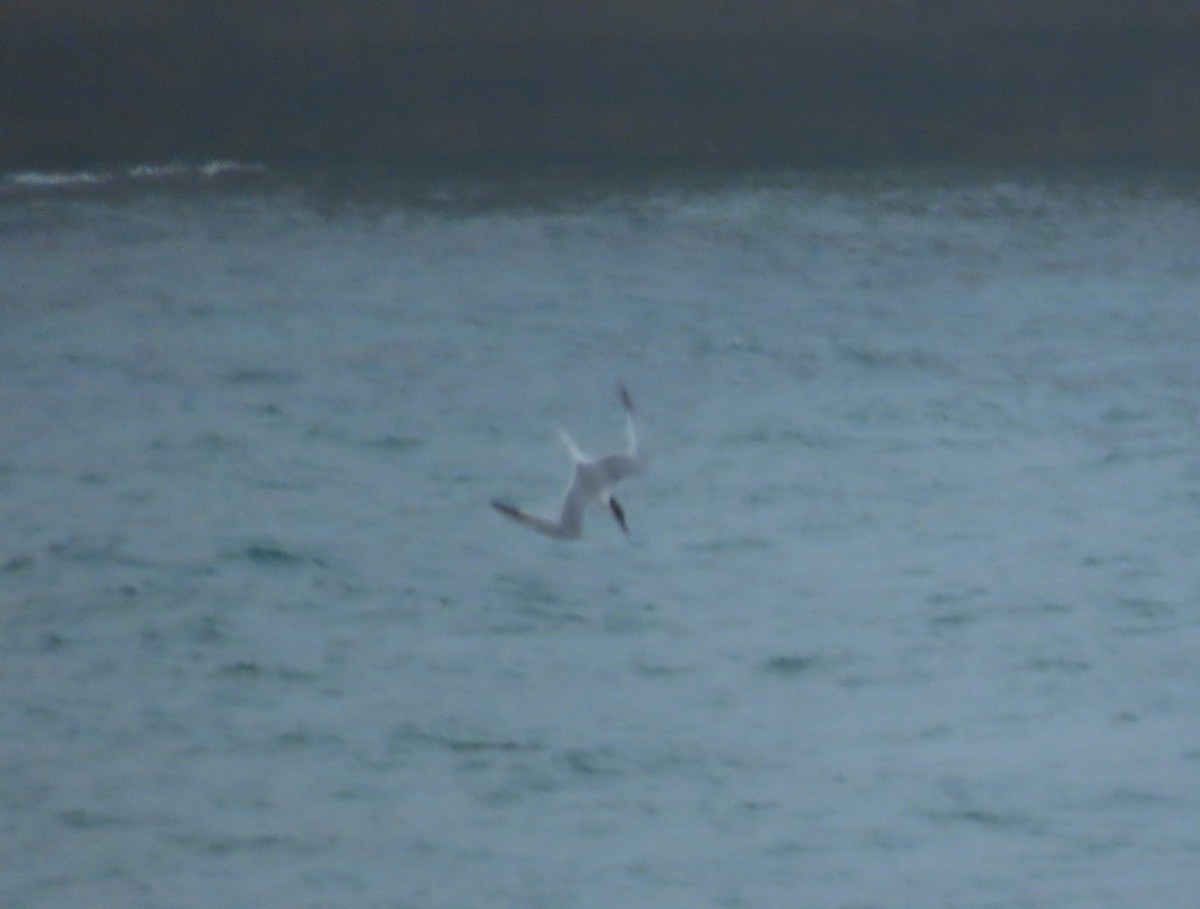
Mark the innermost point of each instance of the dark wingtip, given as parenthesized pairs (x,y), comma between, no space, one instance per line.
(619,514)
(504,507)
(626,399)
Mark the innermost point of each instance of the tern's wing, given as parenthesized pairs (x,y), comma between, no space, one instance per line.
(572,448)
(634,452)
(536,522)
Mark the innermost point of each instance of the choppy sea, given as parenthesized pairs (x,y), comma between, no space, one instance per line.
(909,614)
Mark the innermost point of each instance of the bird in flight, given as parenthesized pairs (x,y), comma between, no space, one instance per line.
(591,483)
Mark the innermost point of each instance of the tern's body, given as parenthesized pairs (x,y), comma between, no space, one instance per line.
(591,483)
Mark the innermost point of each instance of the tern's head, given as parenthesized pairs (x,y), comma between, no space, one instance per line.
(618,513)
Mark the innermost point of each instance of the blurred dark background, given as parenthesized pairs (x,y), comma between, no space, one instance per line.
(471,82)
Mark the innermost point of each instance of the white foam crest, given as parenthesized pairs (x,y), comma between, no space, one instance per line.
(209,170)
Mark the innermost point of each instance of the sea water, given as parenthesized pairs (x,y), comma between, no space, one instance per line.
(909,614)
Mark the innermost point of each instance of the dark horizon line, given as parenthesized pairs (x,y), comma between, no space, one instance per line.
(1090,96)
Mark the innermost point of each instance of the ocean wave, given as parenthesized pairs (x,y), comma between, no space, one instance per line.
(31,181)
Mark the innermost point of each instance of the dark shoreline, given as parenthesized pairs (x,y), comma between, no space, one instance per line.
(1068,94)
